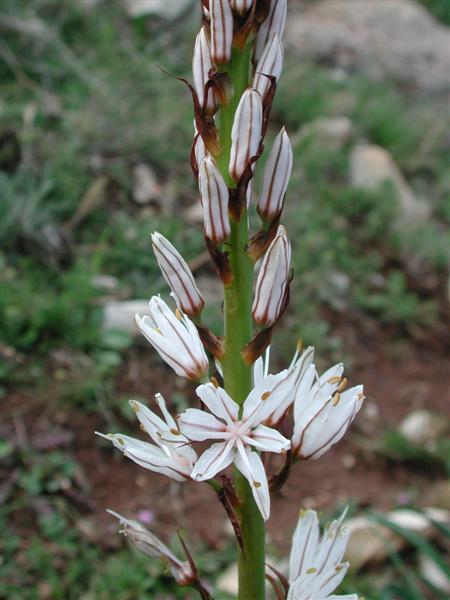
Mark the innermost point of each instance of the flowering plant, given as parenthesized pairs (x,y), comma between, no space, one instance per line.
(244,411)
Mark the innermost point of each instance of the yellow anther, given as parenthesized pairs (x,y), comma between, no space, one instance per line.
(214,382)
(341,387)
(301,513)
(142,427)
(121,441)
(300,345)
(335,379)
(336,398)
(361,396)
(338,568)
(265,395)
(135,406)
(256,484)
(178,314)
(158,330)
(175,431)
(311,570)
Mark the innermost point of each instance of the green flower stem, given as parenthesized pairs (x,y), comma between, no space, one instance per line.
(238,331)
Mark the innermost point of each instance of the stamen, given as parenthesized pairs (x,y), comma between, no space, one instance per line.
(336,398)
(334,379)
(265,395)
(135,406)
(214,382)
(142,427)
(175,431)
(178,314)
(121,441)
(342,385)
(256,484)
(311,570)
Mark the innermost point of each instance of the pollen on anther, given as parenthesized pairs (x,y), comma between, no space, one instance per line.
(311,570)
(341,387)
(336,398)
(214,382)
(257,484)
(175,431)
(142,427)
(121,441)
(178,314)
(265,395)
(134,406)
(334,379)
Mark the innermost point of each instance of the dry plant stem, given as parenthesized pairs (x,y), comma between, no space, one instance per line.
(238,330)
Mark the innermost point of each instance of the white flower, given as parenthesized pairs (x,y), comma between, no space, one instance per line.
(214,195)
(270,63)
(315,565)
(175,338)
(178,275)
(277,171)
(145,541)
(171,454)
(239,432)
(221,30)
(270,289)
(274,23)
(285,383)
(323,411)
(241,6)
(246,132)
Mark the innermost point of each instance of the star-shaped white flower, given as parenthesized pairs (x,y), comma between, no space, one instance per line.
(323,411)
(239,432)
(315,564)
(171,454)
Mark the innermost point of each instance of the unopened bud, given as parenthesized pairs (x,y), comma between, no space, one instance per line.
(178,275)
(241,6)
(269,65)
(221,30)
(214,196)
(274,23)
(276,175)
(246,132)
(201,65)
(270,291)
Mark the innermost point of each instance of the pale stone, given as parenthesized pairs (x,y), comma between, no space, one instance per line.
(120,315)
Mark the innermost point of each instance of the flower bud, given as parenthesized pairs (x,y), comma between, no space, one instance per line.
(270,292)
(214,195)
(178,275)
(270,63)
(274,23)
(175,338)
(221,30)
(241,6)
(246,132)
(201,65)
(276,175)
(145,541)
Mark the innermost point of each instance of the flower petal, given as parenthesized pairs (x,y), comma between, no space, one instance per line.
(268,440)
(304,544)
(251,467)
(199,425)
(218,402)
(213,460)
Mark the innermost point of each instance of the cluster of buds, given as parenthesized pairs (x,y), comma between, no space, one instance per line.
(294,413)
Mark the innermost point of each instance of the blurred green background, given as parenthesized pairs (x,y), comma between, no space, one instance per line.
(94,156)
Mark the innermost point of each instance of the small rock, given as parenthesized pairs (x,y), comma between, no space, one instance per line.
(348,461)
(160,8)
(371,166)
(228,581)
(332,133)
(120,315)
(422,427)
(146,187)
(105,283)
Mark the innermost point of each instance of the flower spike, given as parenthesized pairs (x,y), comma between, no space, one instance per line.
(201,65)
(274,23)
(221,30)
(178,275)
(272,282)
(323,413)
(269,65)
(315,564)
(276,175)
(214,195)
(175,338)
(246,132)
